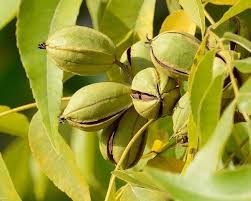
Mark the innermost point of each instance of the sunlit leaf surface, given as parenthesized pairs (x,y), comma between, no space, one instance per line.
(194,9)
(15,123)
(18,152)
(60,167)
(239,7)
(7,189)
(33,27)
(179,21)
(8,10)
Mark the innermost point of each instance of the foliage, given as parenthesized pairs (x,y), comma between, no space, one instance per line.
(197,150)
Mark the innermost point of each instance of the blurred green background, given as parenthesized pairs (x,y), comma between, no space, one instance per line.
(14,85)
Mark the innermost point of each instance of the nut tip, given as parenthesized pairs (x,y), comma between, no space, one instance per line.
(61,120)
(148,40)
(42,46)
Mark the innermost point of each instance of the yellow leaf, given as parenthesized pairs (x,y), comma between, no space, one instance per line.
(7,189)
(222,2)
(40,181)
(166,164)
(15,123)
(18,152)
(60,167)
(194,9)
(179,21)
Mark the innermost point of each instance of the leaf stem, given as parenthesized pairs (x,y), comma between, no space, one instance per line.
(243,143)
(247,118)
(232,78)
(25,107)
(234,84)
(125,69)
(208,16)
(123,156)
(120,193)
(18,109)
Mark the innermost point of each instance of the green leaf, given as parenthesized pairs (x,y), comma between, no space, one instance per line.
(119,192)
(228,180)
(33,27)
(231,185)
(7,189)
(222,2)
(194,9)
(172,5)
(180,114)
(198,57)
(201,81)
(96,9)
(227,185)
(239,7)
(14,123)
(126,22)
(243,65)
(60,167)
(206,92)
(8,10)
(134,193)
(136,178)
(18,152)
(244,99)
(241,131)
(193,135)
(87,154)
(40,181)
(211,101)
(206,161)
(66,14)
(238,39)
